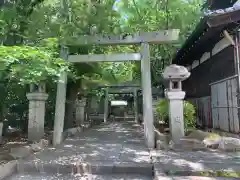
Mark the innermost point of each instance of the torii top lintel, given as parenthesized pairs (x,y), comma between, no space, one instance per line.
(160,37)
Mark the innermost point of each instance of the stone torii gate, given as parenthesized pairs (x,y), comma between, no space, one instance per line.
(141,38)
(121,89)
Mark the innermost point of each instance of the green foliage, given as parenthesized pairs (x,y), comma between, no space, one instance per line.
(64,19)
(188,110)
(154,15)
(30,23)
(27,64)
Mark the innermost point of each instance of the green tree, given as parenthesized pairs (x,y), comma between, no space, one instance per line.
(154,15)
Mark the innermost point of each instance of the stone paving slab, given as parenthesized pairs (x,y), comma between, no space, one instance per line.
(109,148)
(193,163)
(77,177)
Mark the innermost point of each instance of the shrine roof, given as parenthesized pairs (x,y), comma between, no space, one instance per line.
(218,4)
(207,33)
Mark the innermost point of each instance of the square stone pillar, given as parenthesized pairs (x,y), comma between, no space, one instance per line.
(176,115)
(36,115)
(175,75)
(147,95)
(106,106)
(80,111)
(135,95)
(60,102)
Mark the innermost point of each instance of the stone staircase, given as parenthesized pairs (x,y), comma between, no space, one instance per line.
(91,170)
(116,151)
(113,151)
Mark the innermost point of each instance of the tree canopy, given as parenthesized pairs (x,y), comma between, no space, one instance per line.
(30,21)
(31,32)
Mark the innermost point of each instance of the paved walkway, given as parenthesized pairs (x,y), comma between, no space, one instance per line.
(117,151)
(115,148)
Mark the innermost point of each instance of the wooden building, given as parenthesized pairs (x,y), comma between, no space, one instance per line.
(211,55)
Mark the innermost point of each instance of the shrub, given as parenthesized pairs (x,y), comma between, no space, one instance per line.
(188,110)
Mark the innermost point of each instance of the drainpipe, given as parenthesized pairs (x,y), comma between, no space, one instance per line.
(238,71)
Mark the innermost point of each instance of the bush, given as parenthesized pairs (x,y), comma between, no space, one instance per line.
(188,110)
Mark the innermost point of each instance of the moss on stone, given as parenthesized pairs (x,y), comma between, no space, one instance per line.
(231,174)
(213,136)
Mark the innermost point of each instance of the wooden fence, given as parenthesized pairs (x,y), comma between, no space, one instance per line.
(220,110)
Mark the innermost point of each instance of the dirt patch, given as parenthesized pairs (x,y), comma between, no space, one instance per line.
(13,141)
(9,143)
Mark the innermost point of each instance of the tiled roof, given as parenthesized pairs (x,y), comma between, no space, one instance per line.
(222,11)
(212,20)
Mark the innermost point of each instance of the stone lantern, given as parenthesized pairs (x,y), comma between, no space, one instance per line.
(175,74)
(36,116)
(80,111)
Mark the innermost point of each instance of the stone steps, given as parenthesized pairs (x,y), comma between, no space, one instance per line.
(43,176)
(25,170)
(97,170)
(96,167)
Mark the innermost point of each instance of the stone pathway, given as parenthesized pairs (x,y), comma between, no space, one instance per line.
(115,148)
(117,151)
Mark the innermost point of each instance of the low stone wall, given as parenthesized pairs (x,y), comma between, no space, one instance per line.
(8,169)
(18,153)
(162,140)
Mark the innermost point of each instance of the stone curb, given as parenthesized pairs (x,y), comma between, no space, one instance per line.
(71,132)
(8,169)
(86,168)
(24,151)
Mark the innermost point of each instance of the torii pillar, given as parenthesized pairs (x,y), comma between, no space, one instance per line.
(106,99)
(60,102)
(147,95)
(135,95)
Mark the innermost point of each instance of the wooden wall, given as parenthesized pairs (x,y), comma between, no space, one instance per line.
(218,67)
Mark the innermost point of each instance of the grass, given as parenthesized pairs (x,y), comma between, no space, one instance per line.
(213,136)
(226,174)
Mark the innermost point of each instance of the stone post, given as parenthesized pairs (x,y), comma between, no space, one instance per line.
(175,75)
(135,95)
(80,111)
(147,95)
(1,131)
(106,106)
(60,102)
(36,115)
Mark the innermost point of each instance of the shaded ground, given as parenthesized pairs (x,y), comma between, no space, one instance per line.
(196,163)
(13,141)
(117,151)
(109,148)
